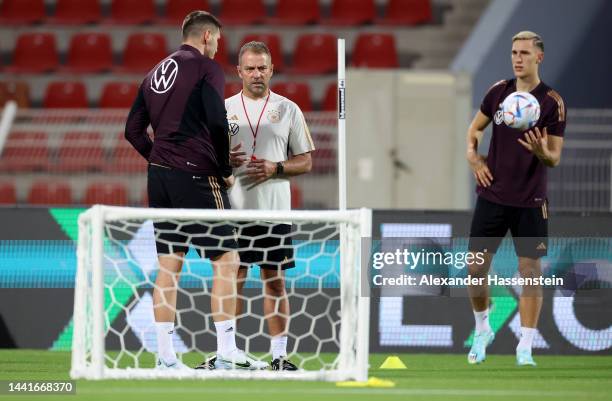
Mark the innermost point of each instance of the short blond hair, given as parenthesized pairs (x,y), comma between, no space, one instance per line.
(528,35)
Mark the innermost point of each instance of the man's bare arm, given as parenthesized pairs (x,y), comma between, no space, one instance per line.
(477,162)
(545,147)
(261,169)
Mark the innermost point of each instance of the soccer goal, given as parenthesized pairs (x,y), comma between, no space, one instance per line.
(114,334)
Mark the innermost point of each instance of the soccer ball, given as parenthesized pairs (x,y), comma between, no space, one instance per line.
(521,110)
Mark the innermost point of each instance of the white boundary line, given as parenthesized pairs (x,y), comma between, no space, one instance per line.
(297,389)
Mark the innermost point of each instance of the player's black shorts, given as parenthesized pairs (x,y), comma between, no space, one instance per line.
(528,226)
(170,188)
(268,246)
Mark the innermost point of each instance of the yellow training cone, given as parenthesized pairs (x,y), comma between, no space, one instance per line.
(393,362)
(372,382)
(380,383)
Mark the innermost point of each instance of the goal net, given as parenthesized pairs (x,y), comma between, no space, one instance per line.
(114,332)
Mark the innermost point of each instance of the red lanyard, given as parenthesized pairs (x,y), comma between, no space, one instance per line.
(254,132)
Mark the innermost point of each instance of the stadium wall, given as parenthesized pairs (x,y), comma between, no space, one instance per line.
(37,267)
(405,130)
(574,35)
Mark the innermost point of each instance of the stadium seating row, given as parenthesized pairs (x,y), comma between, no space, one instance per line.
(84,152)
(60,193)
(231,12)
(45,192)
(36,53)
(79,152)
(73,94)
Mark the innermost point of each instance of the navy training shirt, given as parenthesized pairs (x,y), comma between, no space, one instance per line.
(183,100)
(519,177)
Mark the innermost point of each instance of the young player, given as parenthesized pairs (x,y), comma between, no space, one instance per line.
(511,187)
(189,167)
(271,142)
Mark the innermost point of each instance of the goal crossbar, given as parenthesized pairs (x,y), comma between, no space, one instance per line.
(113,213)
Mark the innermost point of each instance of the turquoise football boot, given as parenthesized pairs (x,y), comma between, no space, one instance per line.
(478,352)
(524,358)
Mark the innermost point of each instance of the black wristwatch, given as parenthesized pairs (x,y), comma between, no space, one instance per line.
(280,168)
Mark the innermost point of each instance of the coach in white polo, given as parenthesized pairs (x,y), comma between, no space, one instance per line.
(264,126)
(270,142)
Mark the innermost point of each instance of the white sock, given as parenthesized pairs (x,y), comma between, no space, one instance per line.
(165,348)
(482,321)
(226,337)
(279,347)
(527,334)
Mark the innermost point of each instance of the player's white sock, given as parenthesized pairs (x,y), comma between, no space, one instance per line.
(279,346)
(226,337)
(482,321)
(527,334)
(165,348)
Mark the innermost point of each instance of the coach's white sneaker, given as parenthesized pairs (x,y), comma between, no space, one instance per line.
(239,360)
(163,365)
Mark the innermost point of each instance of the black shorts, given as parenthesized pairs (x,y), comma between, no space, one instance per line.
(528,226)
(170,188)
(268,246)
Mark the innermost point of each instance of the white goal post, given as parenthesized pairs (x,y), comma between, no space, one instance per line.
(108,266)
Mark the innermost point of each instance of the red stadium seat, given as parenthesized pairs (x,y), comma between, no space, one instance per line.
(232,88)
(330,100)
(222,56)
(273,42)
(242,12)
(296,92)
(81,152)
(76,12)
(375,50)
(20,12)
(34,53)
(50,193)
(5,94)
(407,12)
(125,159)
(324,158)
(314,54)
(143,51)
(118,95)
(65,95)
(106,193)
(17,91)
(296,196)
(130,12)
(144,200)
(25,151)
(177,10)
(89,52)
(295,12)
(8,194)
(351,12)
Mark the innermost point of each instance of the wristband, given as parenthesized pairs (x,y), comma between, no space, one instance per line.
(280,168)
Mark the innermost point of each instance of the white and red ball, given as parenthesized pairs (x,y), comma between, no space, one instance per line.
(521,110)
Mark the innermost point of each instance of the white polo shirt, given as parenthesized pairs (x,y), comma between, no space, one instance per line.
(281,129)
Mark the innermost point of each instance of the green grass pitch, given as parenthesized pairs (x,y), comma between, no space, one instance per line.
(429,377)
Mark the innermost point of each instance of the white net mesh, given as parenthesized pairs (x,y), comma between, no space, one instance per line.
(114,333)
